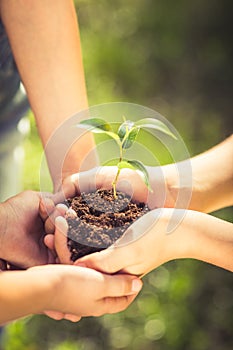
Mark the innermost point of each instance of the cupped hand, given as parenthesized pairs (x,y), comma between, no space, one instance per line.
(58,243)
(148,243)
(21,241)
(79,292)
(129,182)
(151,236)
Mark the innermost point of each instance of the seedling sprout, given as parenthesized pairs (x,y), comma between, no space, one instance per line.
(125,138)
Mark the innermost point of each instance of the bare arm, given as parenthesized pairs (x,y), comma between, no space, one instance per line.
(212,177)
(22,293)
(66,289)
(45,41)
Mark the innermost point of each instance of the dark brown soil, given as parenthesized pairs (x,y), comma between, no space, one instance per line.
(100,221)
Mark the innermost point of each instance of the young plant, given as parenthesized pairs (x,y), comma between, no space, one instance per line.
(125,138)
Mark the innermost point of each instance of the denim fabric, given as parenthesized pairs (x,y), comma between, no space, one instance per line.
(13,101)
(13,106)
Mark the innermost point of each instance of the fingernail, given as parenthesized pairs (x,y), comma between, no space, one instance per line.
(70,213)
(136,285)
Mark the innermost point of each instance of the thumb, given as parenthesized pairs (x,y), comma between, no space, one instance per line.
(60,240)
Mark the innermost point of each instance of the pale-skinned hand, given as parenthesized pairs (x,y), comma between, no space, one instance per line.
(66,291)
(77,292)
(148,237)
(163,235)
(129,182)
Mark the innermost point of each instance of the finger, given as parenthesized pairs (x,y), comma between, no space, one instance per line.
(111,305)
(46,207)
(49,241)
(68,187)
(61,240)
(56,315)
(60,210)
(86,181)
(72,318)
(120,285)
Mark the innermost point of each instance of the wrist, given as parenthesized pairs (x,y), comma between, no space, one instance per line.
(179,234)
(171,235)
(46,283)
(184,189)
(179,185)
(24,293)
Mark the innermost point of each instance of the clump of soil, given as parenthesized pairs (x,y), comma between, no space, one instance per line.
(101,220)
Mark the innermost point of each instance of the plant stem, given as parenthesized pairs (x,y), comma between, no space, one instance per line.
(117,174)
(115,182)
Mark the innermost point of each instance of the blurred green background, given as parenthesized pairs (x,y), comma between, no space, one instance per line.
(175,57)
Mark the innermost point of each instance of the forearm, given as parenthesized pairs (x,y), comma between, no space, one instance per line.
(203,237)
(46,45)
(22,293)
(212,178)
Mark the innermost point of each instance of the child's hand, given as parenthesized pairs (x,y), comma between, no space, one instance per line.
(163,235)
(66,291)
(85,292)
(129,182)
(143,247)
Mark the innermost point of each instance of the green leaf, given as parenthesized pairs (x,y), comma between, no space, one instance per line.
(156,124)
(111,162)
(96,123)
(98,126)
(130,138)
(113,136)
(125,164)
(127,133)
(138,166)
